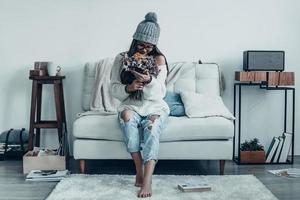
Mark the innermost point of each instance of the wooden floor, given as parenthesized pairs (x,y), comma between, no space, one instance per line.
(13,185)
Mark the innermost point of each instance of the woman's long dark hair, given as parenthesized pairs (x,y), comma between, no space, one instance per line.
(155,52)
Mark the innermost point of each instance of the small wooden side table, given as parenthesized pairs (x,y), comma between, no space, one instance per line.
(36,103)
(276,81)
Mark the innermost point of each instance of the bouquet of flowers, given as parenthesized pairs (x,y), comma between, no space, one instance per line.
(139,63)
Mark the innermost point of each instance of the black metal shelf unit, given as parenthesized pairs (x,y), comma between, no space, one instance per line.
(262,85)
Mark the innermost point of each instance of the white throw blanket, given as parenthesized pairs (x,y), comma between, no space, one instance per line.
(101,99)
(102,102)
(175,72)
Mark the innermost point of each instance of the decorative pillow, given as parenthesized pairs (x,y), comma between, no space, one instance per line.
(175,104)
(203,105)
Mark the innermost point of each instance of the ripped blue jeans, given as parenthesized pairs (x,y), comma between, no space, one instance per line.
(142,133)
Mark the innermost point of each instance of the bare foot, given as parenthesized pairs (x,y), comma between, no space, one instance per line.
(146,190)
(138,180)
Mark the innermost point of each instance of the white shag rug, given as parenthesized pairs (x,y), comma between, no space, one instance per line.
(164,187)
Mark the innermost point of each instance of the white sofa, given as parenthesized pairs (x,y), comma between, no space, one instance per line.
(210,138)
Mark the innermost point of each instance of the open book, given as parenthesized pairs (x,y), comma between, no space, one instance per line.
(289,172)
(189,187)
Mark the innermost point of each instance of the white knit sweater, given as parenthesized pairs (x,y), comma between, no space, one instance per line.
(154,92)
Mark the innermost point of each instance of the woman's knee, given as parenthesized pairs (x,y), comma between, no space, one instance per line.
(126,115)
(151,119)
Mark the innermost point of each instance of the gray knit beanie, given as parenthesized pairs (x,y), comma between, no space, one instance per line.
(148,30)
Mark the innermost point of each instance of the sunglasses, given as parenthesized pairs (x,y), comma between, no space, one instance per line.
(149,47)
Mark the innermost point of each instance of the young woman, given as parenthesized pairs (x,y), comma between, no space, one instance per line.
(142,105)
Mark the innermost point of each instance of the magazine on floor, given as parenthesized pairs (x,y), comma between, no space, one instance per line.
(194,187)
(46,175)
(289,172)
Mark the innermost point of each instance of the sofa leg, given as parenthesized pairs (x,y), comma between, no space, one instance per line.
(82,166)
(222,166)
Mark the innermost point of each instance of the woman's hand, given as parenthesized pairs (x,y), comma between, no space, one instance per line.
(141,77)
(135,85)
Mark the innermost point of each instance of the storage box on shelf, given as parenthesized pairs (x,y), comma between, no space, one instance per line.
(271,78)
(252,156)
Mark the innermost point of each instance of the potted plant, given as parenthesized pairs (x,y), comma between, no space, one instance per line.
(252,152)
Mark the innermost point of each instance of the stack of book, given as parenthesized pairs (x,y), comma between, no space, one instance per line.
(279,149)
(2,150)
(10,147)
(12,150)
(46,175)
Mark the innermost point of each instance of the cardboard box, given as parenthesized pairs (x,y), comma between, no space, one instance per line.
(50,162)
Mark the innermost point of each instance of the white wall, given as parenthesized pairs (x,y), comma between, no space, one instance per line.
(72,32)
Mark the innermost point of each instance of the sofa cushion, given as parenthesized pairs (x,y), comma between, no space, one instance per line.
(178,128)
(183,150)
(203,105)
(175,104)
(200,78)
